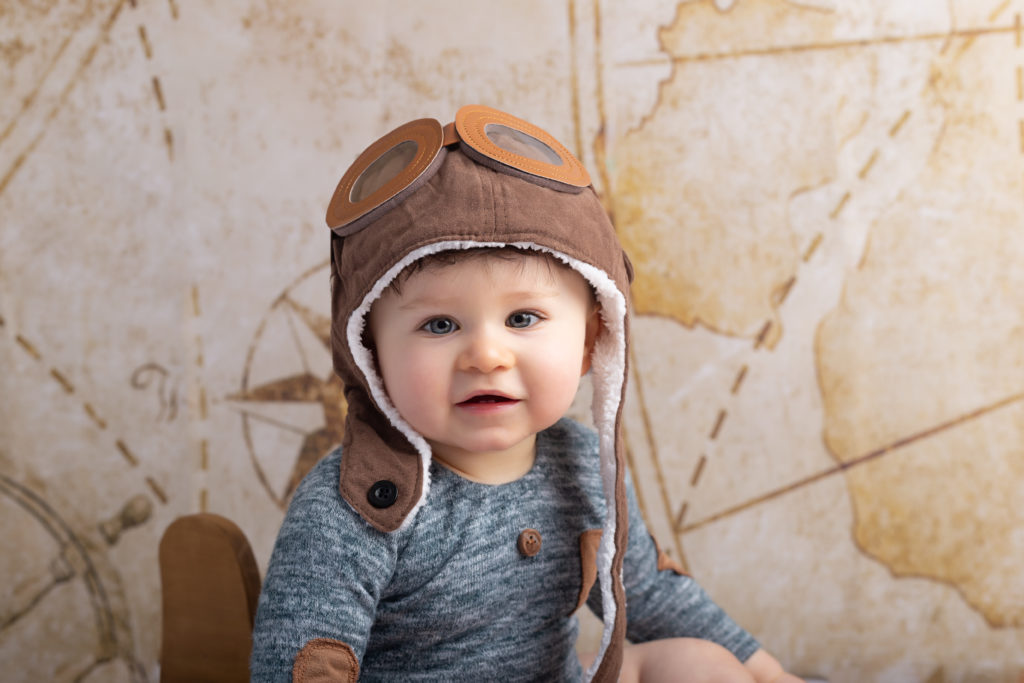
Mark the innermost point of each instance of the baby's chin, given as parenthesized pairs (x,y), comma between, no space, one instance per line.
(489,465)
(483,448)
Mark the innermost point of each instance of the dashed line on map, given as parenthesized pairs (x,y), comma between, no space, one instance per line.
(69,388)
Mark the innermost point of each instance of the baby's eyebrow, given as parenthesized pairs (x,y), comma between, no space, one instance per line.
(425,302)
(531,294)
(508,298)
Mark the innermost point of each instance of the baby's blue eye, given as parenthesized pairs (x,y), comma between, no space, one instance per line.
(439,326)
(522,319)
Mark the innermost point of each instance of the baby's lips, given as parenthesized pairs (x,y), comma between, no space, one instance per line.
(486,397)
(479,400)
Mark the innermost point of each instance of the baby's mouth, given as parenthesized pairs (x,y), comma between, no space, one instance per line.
(485,399)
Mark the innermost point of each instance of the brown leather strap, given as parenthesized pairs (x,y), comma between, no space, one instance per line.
(589,542)
(666,562)
(451,136)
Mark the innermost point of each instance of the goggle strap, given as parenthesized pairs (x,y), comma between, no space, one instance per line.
(449,135)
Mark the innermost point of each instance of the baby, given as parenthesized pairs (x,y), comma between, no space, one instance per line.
(463,521)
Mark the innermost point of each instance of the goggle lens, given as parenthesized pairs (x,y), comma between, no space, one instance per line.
(383,170)
(518,142)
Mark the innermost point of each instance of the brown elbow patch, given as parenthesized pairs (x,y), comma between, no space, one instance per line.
(589,542)
(323,660)
(666,562)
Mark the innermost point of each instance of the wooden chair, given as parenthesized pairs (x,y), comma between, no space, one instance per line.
(210,584)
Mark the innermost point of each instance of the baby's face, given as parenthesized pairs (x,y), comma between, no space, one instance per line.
(481,355)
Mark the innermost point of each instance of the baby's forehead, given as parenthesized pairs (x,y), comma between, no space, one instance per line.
(510,264)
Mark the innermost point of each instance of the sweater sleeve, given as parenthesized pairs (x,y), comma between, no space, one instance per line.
(325,578)
(664,604)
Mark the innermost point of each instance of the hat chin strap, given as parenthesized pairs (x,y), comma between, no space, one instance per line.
(608,368)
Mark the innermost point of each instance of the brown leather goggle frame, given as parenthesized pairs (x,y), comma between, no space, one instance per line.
(346,214)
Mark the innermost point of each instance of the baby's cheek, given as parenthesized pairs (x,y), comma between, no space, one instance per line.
(403,383)
(414,385)
(561,380)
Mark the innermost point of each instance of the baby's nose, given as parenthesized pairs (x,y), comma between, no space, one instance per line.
(485,352)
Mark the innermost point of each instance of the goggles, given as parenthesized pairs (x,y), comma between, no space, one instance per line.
(401,162)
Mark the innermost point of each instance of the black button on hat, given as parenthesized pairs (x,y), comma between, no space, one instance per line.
(382,494)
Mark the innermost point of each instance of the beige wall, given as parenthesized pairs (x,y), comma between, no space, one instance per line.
(824,202)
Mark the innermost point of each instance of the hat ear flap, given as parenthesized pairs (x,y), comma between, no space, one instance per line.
(381,472)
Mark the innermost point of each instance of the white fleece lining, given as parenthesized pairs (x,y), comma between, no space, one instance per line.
(608,367)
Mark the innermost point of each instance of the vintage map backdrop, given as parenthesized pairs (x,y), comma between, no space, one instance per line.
(824,202)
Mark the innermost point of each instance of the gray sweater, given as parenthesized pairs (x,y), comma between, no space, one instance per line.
(451,597)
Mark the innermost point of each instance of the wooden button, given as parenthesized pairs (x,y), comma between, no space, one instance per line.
(529,542)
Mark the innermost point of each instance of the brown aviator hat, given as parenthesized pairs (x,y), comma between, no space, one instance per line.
(488,180)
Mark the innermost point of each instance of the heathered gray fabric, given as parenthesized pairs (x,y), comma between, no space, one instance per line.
(450,598)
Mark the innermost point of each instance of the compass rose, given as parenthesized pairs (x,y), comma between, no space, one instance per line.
(284,407)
